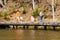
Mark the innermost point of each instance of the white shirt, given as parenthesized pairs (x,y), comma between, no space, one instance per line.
(32,19)
(21,18)
(41,14)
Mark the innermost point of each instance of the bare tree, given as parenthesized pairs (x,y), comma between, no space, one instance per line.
(1,3)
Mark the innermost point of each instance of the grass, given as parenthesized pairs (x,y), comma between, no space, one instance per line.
(1,14)
(56,3)
(6,16)
(13,10)
(36,12)
(24,11)
(45,16)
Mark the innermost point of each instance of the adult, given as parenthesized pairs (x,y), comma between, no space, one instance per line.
(18,14)
(41,16)
(32,19)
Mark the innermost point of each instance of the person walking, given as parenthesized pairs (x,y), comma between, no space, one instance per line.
(41,16)
(32,19)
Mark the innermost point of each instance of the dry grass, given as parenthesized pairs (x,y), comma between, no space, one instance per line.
(43,4)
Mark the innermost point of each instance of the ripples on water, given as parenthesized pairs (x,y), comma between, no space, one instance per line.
(29,35)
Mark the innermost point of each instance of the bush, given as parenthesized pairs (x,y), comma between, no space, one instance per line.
(24,11)
(45,16)
(36,12)
(56,3)
(6,16)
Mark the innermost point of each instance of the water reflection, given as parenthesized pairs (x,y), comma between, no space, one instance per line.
(29,35)
(32,35)
(19,34)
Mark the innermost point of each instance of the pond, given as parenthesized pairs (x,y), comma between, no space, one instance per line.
(18,34)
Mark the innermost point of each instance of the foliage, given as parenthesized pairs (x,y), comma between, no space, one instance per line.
(56,3)
(36,12)
(1,14)
(6,16)
(24,11)
(45,16)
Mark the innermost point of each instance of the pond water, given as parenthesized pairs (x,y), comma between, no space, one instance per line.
(19,34)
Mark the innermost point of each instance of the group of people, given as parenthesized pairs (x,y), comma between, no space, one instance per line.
(20,18)
(41,17)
